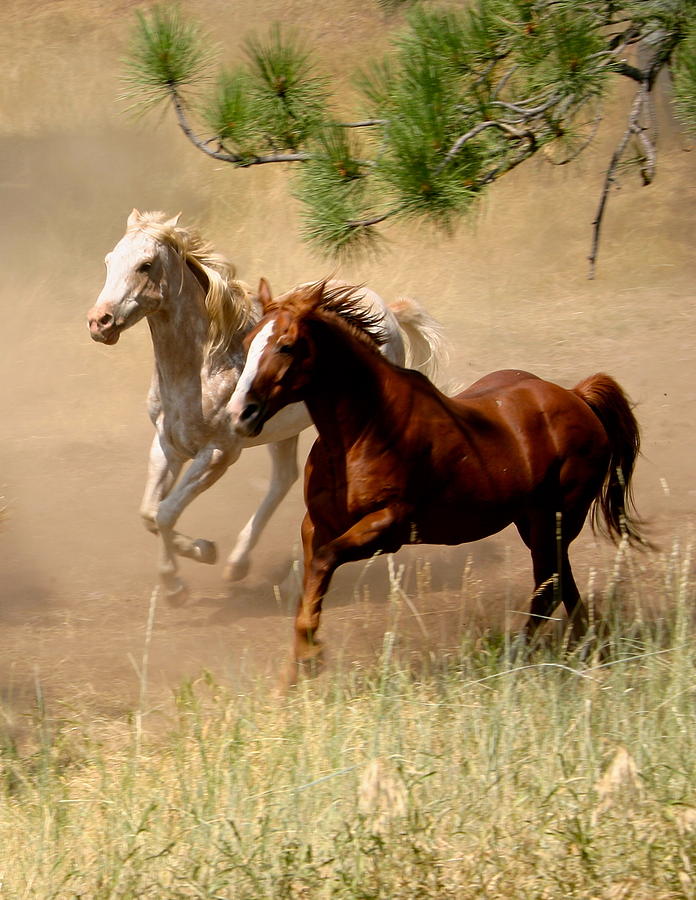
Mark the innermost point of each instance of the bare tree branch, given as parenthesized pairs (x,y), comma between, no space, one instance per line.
(633,128)
(373,220)
(477,129)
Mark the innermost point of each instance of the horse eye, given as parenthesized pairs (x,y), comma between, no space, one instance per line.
(145,267)
(285,348)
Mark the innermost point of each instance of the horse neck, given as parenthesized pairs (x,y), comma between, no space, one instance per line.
(349,388)
(180,332)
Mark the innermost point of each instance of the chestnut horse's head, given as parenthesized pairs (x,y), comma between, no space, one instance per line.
(279,359)
(135,283)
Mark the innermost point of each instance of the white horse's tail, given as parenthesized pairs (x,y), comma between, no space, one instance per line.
(427,349)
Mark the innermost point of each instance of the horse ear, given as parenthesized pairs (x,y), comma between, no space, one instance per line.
(314,296)
(134,218)
(173,222)
(264,294)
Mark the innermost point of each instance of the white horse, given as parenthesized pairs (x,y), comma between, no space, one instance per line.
(198,315)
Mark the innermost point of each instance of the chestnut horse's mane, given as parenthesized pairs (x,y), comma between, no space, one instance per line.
(228,301)
(339,305)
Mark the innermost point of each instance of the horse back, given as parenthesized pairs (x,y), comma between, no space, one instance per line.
(525,437)
(544,418)
(502,380)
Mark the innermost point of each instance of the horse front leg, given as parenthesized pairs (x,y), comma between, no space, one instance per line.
(284,473)
(321,559)
(205,469)
(163,470)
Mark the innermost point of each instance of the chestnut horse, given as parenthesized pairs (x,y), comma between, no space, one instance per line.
(198,315)
(397,462)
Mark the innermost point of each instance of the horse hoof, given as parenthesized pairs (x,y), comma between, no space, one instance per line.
(206,551)
(311,662)
(177,596)
(309,665)
(235,571)
(518,650)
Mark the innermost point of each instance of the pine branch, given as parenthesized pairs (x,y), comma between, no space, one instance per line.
(468,96)
(583,145)
(377,219)
(242,162)
(478,129)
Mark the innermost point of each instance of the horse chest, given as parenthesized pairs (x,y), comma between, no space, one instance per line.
(190,419)
(344,486)
(181,436)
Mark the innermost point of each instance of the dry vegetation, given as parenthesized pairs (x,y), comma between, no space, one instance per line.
(548,779)
(406,773)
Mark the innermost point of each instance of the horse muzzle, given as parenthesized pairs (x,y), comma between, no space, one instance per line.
(103,328)
(251,419)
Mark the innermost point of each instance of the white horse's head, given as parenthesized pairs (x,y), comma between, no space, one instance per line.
(158,263)
(136,279)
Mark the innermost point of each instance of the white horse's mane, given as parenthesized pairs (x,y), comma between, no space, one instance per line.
(228,301)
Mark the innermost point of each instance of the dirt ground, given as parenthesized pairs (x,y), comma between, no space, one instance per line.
(76,566)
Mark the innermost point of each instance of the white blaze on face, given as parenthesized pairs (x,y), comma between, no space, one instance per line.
(246,379)
(122,280)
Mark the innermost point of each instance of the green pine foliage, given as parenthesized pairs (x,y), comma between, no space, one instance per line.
(426,117)
(454,70)
(562,54)
(273,104)
(470,91)
(332,188)
(166,52)
(231,113)
(290,99)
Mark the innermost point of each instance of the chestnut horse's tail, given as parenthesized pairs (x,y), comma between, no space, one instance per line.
(607,400)
(427,348)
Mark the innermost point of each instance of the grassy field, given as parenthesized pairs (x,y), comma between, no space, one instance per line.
(551,777)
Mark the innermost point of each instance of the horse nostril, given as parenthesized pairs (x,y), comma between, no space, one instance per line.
(106,319)
(249,411)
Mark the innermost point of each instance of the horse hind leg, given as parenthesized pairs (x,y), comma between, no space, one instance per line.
(548,537)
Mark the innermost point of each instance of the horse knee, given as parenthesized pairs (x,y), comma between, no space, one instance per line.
(164,521)
(307,622)
(287,475)
(147,517)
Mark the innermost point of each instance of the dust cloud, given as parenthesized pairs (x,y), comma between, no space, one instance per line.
(76,566)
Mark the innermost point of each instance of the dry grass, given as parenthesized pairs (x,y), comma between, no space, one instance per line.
(552,778)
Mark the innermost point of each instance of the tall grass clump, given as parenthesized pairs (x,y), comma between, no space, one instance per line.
(549,777)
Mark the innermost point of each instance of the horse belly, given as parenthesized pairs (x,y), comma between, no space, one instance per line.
(460,520)
(448,501)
